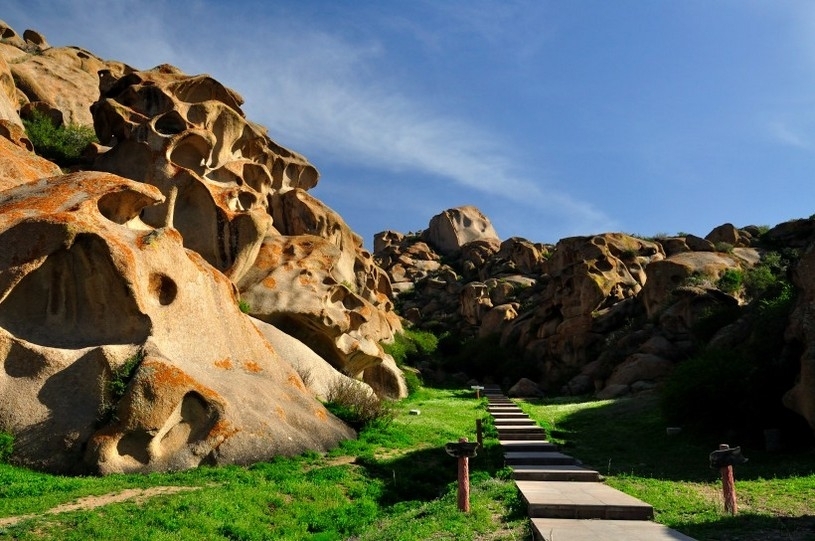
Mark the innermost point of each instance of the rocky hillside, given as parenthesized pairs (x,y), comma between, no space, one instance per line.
(174,296)
(125,275)
(613,314)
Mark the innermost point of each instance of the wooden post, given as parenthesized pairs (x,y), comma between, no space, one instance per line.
(728,486)
(463,482)
(479,432)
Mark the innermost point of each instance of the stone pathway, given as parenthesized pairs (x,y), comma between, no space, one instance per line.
(566,501)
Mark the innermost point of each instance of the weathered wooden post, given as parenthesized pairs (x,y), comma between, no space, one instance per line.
(479,432)
(477,389)
(724,459)
(463,450)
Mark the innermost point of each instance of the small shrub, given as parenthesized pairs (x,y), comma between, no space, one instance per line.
(725,247)
(305,374)
(696,279)
(730,281)
(357,405)
(6,446)
(412,347)
(244,306)
(63,145)
(114,389)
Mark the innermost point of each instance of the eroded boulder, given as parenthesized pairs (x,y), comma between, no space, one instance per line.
(454,228)
(91,295)
(242,204)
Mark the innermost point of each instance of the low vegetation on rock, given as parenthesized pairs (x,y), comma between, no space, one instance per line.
(63,144)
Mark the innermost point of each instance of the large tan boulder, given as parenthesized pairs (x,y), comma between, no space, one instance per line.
(319,377)
(8,95)
(173,130)
(64,78)
(681,269)
(293,285)
(586,278)
(20,165)
(454,228)
(242,204)
(90,294)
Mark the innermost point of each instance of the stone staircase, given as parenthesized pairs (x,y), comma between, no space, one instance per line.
(566,501)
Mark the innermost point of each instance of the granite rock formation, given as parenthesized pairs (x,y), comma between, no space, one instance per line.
(125,348)
(87,286)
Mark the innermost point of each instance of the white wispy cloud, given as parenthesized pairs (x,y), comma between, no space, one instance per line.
(314,89)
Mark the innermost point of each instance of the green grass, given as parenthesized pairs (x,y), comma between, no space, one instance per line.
(626,441)
(393,483)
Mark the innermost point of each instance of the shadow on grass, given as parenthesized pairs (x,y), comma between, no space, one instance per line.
(427,474)
(749,527)
(628,436)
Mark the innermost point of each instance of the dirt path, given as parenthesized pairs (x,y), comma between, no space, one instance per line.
(92,502)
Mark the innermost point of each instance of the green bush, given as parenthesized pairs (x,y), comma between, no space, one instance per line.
(412,347)
(707,388)
(63,145)
(722,246)
(741,388)
(6,446)
(730,281)
(114,387)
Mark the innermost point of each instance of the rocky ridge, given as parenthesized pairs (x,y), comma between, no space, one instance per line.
(609,314)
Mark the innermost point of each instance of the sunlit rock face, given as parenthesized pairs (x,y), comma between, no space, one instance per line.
(242,205)
(61,81)
(86,288)
(173,130)
(455,227)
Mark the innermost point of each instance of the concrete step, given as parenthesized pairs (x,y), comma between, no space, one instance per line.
(538,458)
(510,415)
(554,472)
(520,432)
(505,409)
(513,421)
(522,436)
(548,529)
(579,500)
(527,446)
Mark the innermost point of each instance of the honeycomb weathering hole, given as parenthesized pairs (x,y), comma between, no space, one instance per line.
(164,288)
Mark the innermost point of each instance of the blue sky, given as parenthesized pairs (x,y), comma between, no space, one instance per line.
(555,118)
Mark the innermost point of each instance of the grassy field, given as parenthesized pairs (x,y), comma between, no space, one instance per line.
(626,441)
(395,483)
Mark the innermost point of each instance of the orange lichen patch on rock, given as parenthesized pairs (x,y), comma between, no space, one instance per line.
(296,382)
(226,364)
(321,414)
(163,376)
(252,366)
(269,256)
(269,282)
(222,431)
(280,412)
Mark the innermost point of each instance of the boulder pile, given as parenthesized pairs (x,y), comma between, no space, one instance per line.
(607,315)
